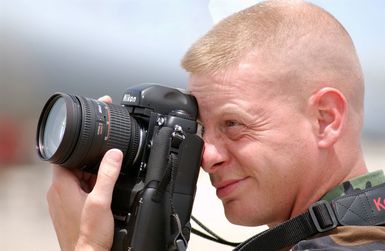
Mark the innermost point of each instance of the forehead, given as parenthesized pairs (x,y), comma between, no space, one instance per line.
(247,89)
(241,83)
(227,95)
(252,79)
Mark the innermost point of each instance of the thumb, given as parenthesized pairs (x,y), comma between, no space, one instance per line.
(108,174)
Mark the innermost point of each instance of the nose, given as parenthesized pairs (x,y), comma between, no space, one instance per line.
(214,156)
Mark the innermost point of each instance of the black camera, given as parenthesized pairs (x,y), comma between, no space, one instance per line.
(155,127)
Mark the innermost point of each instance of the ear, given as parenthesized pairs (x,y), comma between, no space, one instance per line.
(330,108)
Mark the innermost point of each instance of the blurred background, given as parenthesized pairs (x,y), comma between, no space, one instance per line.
(98,47)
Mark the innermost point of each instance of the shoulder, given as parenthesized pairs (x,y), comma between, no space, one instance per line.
(358,238)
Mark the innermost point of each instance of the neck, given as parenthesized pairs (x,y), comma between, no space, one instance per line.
(339,173)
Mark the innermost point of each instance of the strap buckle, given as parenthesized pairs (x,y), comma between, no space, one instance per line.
(317,216)
(179,242)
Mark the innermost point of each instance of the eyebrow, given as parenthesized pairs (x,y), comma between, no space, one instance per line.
(231,109)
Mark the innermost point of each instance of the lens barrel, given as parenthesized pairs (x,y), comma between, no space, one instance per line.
(75,132)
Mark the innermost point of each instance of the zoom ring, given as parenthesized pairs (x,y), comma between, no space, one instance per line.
(120,128)
(125,133)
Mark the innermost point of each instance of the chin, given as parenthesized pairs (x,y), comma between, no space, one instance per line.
(239,215)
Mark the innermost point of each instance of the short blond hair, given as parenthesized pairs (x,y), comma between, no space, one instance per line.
(299,39)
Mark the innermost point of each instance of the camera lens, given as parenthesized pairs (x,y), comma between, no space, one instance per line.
(75,132)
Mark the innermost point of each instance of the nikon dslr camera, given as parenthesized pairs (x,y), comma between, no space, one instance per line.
(155,127)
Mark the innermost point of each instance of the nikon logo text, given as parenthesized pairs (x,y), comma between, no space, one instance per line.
(129,98)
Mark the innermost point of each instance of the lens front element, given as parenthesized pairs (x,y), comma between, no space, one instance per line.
(54,128)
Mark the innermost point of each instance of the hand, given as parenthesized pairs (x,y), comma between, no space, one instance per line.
(83,219)
(79,204)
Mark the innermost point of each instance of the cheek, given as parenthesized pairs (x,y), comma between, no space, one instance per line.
(275,156)
(252,159)
(292,159)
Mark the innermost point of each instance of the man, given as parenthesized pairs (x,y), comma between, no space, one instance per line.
(280,93)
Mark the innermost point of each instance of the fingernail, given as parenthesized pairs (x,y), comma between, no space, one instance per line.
(115,155)
(105,98)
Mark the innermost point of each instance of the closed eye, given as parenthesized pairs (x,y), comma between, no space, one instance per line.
(231,123)
(234,129)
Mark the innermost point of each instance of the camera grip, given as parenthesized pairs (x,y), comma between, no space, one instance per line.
(160,151)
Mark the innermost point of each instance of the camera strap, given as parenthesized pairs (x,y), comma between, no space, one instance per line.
(179,242)
(362,208)
(177,239)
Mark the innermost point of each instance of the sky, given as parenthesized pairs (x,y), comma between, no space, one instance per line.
(97,47)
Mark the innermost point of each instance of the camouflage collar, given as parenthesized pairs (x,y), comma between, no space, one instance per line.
(362,182)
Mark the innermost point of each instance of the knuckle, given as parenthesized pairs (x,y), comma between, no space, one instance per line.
(97,202)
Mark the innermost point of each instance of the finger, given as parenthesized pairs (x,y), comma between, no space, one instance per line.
(86,180)
(65,180)
(63,175)
(107,175)
(106,99)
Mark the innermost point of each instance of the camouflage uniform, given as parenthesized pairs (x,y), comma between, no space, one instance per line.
(343,238)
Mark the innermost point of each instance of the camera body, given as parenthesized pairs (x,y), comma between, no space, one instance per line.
(145,215)
(155,127)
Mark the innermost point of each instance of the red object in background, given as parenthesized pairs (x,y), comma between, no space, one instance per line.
(10,136)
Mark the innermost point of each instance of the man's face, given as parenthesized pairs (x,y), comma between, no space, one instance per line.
(258,145)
